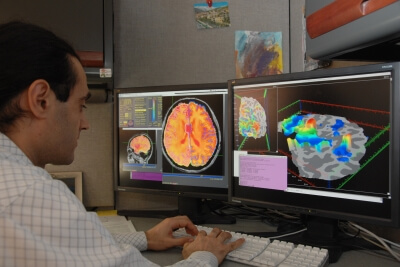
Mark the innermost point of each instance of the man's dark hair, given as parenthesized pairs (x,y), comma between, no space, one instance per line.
(27,53)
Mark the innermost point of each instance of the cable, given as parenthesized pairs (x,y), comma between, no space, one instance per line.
(289,234)
(366,235)
(268,213)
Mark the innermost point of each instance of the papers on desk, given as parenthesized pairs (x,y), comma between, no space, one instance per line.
(117,224)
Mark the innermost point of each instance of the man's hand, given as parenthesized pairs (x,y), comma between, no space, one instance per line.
(160,236)
(214,242)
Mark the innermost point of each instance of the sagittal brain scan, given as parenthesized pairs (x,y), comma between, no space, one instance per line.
(140,148)
(191,135)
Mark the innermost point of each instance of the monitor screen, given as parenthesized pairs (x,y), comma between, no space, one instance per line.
(322,143)
(172,140)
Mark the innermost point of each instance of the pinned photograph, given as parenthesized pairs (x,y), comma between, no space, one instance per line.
(211,15)
(258,53)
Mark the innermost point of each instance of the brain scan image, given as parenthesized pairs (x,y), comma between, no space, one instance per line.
(252,118)
(191,135)
(324,146)
(140,148)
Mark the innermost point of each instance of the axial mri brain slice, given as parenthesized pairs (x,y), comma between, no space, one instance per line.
(252,118)
(191,135)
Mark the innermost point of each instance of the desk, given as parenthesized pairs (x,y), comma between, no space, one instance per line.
(351,258)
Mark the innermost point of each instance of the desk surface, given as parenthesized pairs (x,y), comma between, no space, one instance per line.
(350,258)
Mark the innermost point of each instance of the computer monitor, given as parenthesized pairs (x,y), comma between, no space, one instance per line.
(173,140)
(323,143)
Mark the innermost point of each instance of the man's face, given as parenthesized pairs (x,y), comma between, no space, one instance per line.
(69,119)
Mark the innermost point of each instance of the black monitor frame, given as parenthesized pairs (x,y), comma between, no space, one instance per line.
(191,199)
(304,204)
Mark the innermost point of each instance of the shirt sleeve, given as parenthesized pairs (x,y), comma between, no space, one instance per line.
(197,259)
(200,259)
(137,239)
(49,225)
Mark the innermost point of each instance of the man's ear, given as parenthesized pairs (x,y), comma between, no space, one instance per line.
(39,97)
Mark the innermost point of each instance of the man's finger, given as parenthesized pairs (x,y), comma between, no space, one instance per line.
(236,244)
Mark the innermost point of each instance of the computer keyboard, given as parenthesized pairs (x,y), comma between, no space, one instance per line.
(259,251)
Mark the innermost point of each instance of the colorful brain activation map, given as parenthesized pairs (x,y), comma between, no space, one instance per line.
(252,119)
(191,135)
(324,146)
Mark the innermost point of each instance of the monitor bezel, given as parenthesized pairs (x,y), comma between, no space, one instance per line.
(394,220)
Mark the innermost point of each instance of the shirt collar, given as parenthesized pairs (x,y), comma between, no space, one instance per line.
(10,149)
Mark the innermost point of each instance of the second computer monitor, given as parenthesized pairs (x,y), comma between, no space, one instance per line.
(322,143)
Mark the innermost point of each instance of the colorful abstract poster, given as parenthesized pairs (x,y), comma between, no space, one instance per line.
(258,53)
(214,16)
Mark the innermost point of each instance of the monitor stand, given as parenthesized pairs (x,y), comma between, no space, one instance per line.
(162,214)
(197,209)
(200,212)
(321,232)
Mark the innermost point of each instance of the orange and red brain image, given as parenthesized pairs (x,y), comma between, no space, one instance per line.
(140,144)
(190,135)
(140,148)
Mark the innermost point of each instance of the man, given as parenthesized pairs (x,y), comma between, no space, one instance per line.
(43,91)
